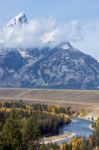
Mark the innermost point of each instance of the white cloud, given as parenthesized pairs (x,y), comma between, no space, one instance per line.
(38,33)
(75,30)
(90,42)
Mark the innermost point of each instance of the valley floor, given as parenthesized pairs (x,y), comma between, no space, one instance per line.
(77,99)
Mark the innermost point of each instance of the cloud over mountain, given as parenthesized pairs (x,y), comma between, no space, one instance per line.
(22,33)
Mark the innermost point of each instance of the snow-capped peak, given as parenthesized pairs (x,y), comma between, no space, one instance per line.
(18,20)
(65,45)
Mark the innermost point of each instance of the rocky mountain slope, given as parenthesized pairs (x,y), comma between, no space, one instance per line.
(60,67)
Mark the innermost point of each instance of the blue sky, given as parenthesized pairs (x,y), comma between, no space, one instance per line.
(62,11)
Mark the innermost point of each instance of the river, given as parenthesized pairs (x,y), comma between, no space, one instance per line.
(78,127)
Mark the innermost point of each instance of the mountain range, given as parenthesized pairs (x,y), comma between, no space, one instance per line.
(60,67)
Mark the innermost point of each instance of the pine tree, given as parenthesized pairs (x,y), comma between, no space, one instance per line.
(31,135)
(11,134)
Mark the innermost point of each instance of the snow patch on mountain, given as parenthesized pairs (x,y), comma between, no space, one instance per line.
(98,60)
(24,53)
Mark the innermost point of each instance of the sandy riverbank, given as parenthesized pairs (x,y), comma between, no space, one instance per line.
(58,138)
